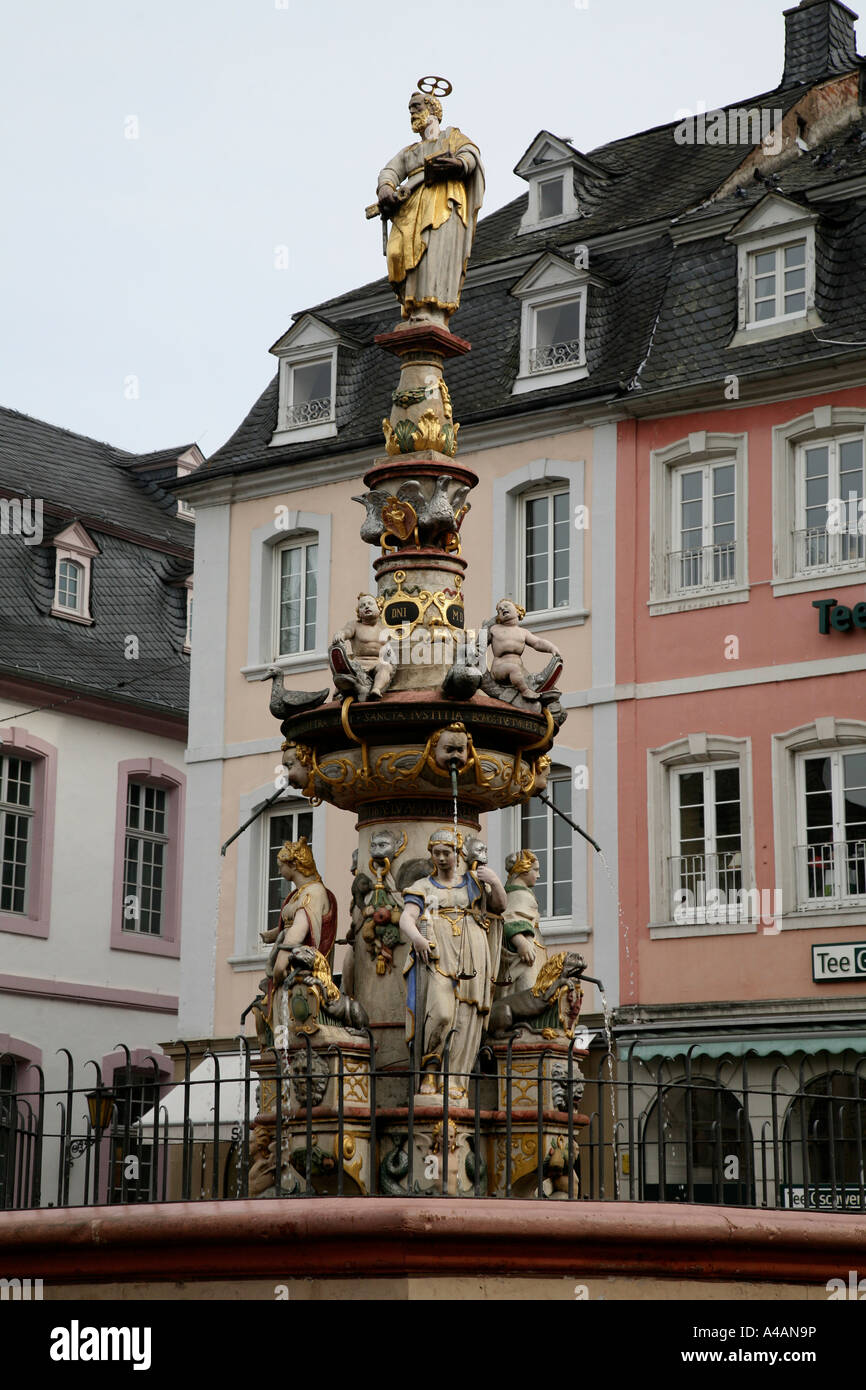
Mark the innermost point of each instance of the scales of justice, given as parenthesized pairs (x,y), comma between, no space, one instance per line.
(452,1034)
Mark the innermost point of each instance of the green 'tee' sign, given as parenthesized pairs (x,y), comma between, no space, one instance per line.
(836,617)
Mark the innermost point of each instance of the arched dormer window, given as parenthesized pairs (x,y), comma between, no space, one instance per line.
(74,552)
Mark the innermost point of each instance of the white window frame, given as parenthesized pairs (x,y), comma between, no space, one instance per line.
(536,495)
(824,423)
(697,915)
(301,543)
(289,370)
(546,159)
(75,545)
(547,173)
(549,282)
(823,735)
(837,899)
(694,752)
(251,901)
(130,926)
(184,510)
(262,616)
(69,569)
(541,475)
(698,450)
(836,544)
(772,226)
(707,543)
(29,813)
(307,342)
(293,807)
(567,371)
(503,837)
(779,295)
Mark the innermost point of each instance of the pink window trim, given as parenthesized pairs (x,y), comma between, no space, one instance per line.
(140,1060)
(155,773)
(22,1053)
(19,742)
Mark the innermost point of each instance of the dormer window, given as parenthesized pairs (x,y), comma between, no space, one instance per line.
(776,270)
(777,282)
(551,198)
(559,179)
(553,316)
(557,332)
(183,508)
(70,585)
(74,553)
(308,381)
(310,392)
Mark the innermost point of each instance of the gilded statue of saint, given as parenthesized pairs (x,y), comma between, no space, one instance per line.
(432,191)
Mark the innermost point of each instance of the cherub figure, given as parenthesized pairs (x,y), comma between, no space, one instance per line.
(364,669)
(508,641)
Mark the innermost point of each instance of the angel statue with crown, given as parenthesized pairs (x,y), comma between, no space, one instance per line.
(431,191)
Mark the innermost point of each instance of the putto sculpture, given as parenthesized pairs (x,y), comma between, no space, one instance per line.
(431,191)
(359,653)
(508,641)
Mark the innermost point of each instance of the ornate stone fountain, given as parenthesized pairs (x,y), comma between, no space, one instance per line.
(418,740)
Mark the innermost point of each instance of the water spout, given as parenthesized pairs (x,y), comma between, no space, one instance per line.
(453,765)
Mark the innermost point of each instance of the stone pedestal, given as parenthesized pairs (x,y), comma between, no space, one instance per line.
(421,405)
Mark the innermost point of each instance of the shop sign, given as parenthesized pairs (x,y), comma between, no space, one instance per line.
(821,1198)
(843,960)
(838,617)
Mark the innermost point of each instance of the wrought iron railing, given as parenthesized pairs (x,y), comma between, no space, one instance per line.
(544,359)
(831,873)
(694,877)
(702,567)
(816,548)
(681,1129)
(309,412)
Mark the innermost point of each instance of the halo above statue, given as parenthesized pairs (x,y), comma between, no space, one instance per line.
(435,86)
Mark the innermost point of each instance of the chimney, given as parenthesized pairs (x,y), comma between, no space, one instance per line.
(819,41)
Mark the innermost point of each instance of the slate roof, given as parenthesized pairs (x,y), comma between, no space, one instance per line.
(144,551)
(663,319)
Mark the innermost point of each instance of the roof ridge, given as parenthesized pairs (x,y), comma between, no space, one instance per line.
(63,429)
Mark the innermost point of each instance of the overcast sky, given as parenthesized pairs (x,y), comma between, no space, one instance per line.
(262,124)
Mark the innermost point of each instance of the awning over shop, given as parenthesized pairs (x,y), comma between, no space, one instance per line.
(785,1044)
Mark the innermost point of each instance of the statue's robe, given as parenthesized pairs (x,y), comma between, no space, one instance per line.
(321,934)
(459,985)
(432,231)
(521,917)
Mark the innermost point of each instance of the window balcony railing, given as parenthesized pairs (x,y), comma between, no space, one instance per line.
(693,877)
(545,359)
(704,567)
(309,412)
(831,873)
(819,549)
